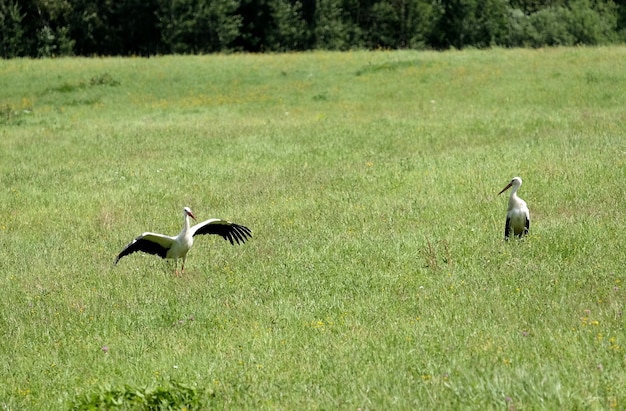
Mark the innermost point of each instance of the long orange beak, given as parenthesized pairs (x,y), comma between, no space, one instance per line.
(505,188)
(191,215)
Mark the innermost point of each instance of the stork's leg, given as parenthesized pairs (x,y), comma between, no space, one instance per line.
(507,229)
(182,270)
(176,267)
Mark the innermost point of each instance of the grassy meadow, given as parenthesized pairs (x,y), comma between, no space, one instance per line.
(377,277)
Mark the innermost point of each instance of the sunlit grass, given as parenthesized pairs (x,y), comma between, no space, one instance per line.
(376,277)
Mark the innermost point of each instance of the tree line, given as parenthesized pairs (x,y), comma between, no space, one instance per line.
(45,28)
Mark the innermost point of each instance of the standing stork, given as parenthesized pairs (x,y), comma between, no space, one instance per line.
(517,215)
(177,247)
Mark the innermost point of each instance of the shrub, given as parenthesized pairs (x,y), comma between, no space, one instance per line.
(175,395)
(582,22)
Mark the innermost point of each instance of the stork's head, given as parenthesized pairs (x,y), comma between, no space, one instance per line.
(187,212)
(516,182)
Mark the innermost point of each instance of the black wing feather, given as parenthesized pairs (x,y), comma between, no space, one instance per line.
(507,228)
(242,233)
(239,234)
(235,233)
(145,244)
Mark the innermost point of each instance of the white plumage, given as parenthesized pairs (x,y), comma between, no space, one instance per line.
(517,215)
(177,247)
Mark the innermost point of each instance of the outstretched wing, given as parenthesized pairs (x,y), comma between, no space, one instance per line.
(232,232)
(150,243)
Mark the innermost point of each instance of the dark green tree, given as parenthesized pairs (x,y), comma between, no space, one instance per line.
(144,27)
(330,28)
(35,28)
(256,22)
(288,30)
(111,27)
(12,33)
(463,23)
(593,22)
(198,26)
(399,24)
(532,6)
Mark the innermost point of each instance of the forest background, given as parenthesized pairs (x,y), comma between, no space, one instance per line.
(48,28)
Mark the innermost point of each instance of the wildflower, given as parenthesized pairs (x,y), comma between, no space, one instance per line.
(105,349)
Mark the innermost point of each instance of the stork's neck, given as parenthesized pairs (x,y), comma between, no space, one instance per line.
(185,223)
(514,199)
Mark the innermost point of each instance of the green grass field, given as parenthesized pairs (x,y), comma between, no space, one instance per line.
(377,276)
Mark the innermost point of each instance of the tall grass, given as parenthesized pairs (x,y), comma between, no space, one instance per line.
(377,277)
